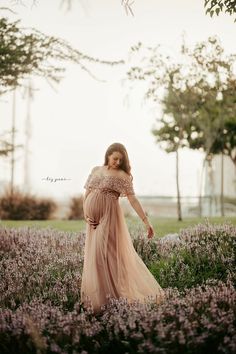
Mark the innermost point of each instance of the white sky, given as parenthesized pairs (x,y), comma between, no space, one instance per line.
(73,126)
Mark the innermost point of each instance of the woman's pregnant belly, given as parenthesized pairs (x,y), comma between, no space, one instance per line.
(98,204)
(95,207)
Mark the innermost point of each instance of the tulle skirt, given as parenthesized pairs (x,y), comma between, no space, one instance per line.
(111,264)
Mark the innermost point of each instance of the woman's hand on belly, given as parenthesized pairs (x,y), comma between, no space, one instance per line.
(91,222)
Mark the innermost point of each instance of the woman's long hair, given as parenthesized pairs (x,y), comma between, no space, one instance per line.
(125,165)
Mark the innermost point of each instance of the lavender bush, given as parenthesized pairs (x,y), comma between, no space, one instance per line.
(43,264)
(201,321)
(41,312)
(202,252)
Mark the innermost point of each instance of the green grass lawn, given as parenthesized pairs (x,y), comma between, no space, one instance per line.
(162,226)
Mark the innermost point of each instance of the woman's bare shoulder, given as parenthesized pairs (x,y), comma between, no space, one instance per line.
(124,174)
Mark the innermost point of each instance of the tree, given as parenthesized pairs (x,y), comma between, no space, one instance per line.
(215,105)
(169,136)
(190,94)
(204,131)
(175,128)
(226,137)
(215,7)
(159,71)
(25,52)
(30,52)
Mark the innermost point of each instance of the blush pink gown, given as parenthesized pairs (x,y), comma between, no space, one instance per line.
(111,263)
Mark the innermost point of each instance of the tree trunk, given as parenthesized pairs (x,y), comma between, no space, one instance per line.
(233,158)
(177,185)
(222,186)
(13,140)
(212,186)
(200,189)
(27,139)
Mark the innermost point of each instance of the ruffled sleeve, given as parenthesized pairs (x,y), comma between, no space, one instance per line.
(127,188)
(88,184)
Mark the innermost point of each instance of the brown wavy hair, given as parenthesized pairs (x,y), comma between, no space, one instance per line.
(118,147)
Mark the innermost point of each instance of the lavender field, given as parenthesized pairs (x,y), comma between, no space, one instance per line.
(41,312)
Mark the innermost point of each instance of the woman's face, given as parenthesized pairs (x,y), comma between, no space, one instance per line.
(115,160)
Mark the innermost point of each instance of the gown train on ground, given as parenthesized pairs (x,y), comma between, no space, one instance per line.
(111,263)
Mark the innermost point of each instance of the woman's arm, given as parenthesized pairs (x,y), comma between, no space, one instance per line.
(141,213)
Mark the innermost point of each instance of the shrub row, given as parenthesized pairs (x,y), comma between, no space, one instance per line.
(18,205)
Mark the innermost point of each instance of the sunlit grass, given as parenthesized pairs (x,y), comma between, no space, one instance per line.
(63,225)
(162,226)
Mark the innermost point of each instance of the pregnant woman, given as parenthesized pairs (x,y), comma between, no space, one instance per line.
(111,264)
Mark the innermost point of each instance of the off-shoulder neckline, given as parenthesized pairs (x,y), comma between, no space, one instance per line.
(104,176)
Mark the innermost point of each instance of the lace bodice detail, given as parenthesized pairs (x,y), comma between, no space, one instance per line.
(122,185)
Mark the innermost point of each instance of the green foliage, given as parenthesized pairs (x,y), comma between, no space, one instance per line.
(207,253)
(26,52)
(215,103)
(219,6)
(176,125)
(161,225)
(194,114)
